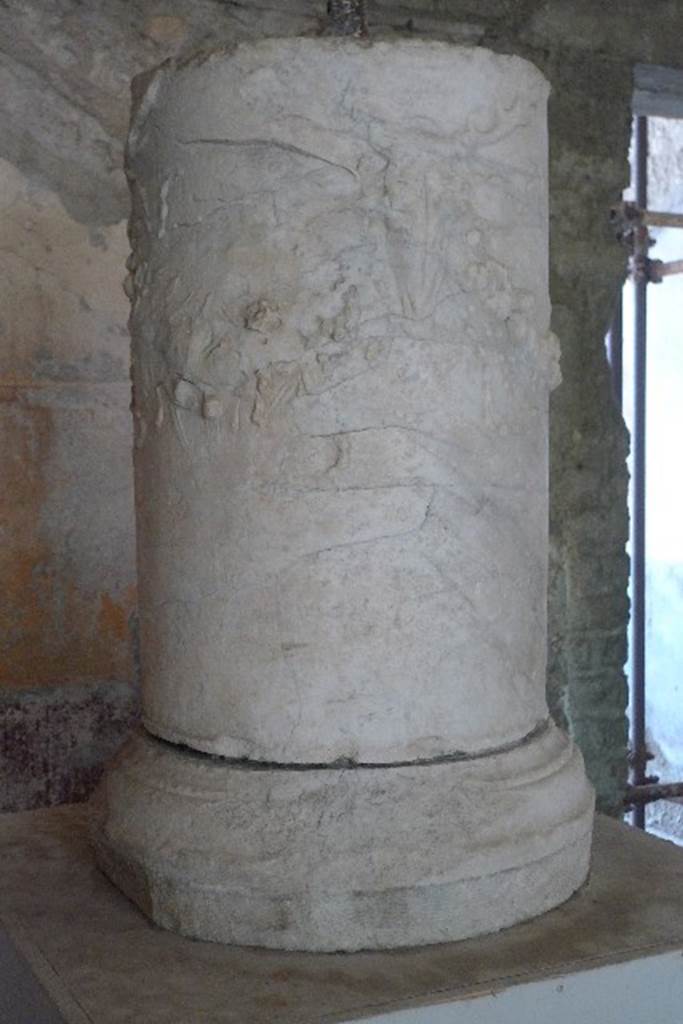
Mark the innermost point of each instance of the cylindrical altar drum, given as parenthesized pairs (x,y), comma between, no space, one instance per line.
(341,362)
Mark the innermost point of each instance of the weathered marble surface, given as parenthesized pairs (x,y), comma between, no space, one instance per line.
(342,363)
(328,859)
(342,366)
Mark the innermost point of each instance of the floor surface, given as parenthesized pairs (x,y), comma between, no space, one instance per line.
(101,962)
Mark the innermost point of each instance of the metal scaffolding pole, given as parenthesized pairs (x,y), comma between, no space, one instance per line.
(615,348)
(639,758)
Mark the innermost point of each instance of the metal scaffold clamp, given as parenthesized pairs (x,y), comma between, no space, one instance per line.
(631,224)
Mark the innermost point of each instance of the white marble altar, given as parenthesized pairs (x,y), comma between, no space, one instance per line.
(342,363)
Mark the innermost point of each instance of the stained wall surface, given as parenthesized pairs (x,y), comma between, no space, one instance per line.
(64,74)
(67,560)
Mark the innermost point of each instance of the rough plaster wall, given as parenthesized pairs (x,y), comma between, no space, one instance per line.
(64,73)
(67,554)
(67,557)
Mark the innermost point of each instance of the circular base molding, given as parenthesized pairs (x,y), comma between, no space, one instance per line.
(340,858)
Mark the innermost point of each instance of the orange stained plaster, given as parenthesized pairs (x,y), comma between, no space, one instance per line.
(113,615)
(51,628)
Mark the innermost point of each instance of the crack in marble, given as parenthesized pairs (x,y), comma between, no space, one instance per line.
(288,147)
(347,764)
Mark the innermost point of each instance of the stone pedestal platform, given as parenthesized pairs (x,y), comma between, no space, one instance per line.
(610,955)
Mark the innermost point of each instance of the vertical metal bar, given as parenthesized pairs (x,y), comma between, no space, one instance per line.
(615,349)
(638,536)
